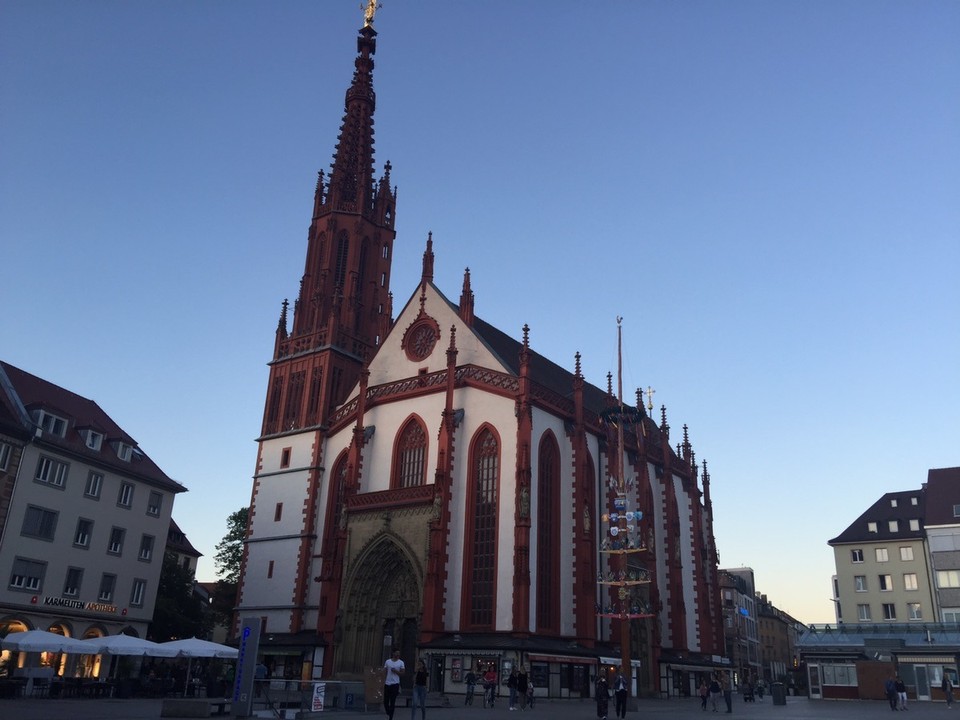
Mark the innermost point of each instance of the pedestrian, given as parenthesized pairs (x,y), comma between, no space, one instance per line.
(761,688)
(489,687)
(419,692)
(716,691)
(471,680)
(620,695)
(394,668)
(947,688)
(704,693)
(890,690)
(603,697)
(259,677)
(530,695)
(901,693)
(727,691)
(522,681)
(512,687)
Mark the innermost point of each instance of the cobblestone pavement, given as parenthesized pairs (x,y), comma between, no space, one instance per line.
(677,709)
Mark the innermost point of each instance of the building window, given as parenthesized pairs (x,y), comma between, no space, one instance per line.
(948,578)
(27,575)
(893,502)
(93,439)
(915,525)
(270,569)
(860,583)
(4,456)
(956,510)
(913,611)
(107,584)
(548,534)
(951,616)
(146,548)
(893,526)
(278,512)
(889,611)
(124,451)
(909,581)
(913,501)
(835,674)
(52,472)
(856,555)
(138,592)
(285,458)
(886,582)
(93,486)
(53,424)
(39,523)
(882,555)
(81,538)
(410,462)
(154,504)
(481,534)
(125,496)
(906,554)
(115,546)
(71,586)
(871,527)
(863,612)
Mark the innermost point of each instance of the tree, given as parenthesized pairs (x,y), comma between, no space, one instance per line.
(229,553)
(227,560)
(179,611)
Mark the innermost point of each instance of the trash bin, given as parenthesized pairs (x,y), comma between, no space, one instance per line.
(778,693)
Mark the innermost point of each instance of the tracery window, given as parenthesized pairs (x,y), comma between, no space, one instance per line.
(548,536)
(480,581)
(410,456)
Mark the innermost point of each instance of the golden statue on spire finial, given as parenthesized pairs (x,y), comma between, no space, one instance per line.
(369,10)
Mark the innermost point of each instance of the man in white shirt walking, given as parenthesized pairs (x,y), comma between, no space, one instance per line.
(394,668)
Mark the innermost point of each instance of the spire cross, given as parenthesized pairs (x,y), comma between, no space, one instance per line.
(369,10)
(649,392)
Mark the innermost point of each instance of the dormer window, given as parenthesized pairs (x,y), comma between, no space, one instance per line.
(124,451)
(52,424)
(871,527)
(893,502)
(93,439)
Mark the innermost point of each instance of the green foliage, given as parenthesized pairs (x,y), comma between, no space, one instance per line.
(229,553)
(179,611)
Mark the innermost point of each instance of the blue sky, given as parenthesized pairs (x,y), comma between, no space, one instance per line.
(768,193)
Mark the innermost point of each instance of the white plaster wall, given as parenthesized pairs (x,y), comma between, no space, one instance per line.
(542,422)
(687,556)
(657,491)
(483,407)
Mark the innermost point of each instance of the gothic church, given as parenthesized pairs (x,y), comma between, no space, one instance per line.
(429,482)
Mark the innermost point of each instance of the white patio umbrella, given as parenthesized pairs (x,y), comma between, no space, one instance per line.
(195,647)
(128,645)
(43,641)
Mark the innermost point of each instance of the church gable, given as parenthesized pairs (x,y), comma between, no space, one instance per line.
(420,337)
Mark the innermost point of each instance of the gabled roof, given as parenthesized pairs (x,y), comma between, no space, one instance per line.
(178,542)
(36,394)
(900,506)
(942,493)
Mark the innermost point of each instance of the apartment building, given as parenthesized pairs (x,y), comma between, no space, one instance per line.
(84,515)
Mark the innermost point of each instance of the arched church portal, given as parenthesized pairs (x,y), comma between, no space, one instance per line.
(381,609)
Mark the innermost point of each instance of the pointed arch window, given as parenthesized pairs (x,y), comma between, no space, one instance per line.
(548,535)
(340,268)
(480,572)
(410,455)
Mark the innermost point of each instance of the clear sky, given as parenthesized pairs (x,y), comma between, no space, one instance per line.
(767,192)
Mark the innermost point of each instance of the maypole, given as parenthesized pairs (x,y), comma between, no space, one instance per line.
(624,539)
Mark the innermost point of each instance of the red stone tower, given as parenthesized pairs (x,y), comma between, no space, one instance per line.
(343,308)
